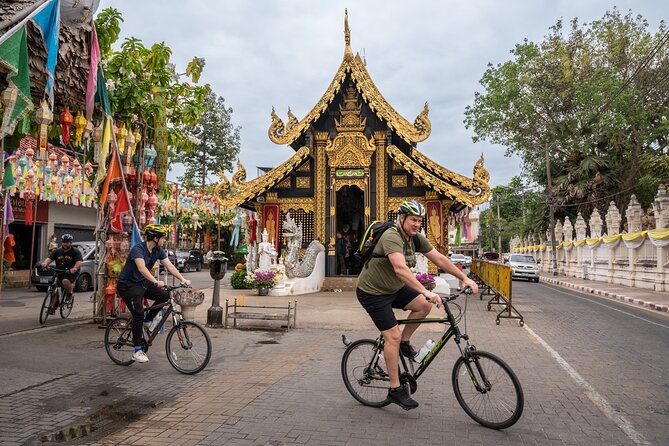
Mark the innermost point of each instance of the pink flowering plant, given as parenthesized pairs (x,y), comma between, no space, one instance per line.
(427,280)
(264,279)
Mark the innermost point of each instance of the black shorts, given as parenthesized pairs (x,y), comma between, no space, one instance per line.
(380,307)
(71,277)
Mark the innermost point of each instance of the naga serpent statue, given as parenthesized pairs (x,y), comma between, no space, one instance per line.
(294,267)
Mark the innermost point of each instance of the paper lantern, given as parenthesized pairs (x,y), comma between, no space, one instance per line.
(43,117)
(65,120)
(80,124)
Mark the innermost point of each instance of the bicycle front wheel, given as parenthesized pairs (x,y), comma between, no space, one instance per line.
(44,312)
(488,390)
(365,373)
(66,306)
(188,347)
(118,341)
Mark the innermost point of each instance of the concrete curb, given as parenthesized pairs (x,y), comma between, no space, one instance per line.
(609,294)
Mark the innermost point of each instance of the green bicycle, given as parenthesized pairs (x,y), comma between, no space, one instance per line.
(484,385)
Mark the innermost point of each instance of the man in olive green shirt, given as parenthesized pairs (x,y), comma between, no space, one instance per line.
(386,282)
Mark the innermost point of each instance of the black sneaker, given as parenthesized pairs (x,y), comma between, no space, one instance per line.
(407,350)
(401,397)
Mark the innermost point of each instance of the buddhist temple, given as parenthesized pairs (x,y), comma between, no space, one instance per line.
(356,159)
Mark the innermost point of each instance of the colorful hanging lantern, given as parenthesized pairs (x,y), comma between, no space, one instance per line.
(121,132)
(43,117)
(65,120)
(97,139)
(80,124)
(129,153)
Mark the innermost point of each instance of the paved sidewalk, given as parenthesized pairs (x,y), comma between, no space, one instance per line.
(654,300)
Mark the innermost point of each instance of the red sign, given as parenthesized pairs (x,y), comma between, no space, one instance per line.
(19,209)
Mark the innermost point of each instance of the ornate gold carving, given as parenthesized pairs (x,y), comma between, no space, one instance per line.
(239,177)
(307,204)
(381,176)
(394,202)
(417,182)
(305,167)
(341,182)
(350,150)
(431,195)
(283,184)
(468,198)
(303,182)
(411,133)
(319,186)
(257,186)
(222,189)
(399,181)
(350,113)
(272,197)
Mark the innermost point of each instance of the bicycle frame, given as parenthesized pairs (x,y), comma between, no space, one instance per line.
(453,331)
(171,311)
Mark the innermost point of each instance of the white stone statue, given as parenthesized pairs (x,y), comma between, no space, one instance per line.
(421,261)
(266,252)
(634,213)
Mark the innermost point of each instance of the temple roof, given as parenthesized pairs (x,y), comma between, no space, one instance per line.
(458,187)
(355,66)
(246,191)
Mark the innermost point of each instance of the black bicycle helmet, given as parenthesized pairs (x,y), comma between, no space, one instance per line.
(67,238)
(154,231)
(411,207)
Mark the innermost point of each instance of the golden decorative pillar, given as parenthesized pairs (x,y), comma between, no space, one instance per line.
(321,140)
(381,176)
(333,212)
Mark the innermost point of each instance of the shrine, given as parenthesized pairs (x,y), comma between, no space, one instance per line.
(356,159)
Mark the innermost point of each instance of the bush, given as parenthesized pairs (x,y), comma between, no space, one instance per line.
(238,280)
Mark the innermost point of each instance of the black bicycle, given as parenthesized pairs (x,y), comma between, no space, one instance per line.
(484,385)
(57,292)
(188,346)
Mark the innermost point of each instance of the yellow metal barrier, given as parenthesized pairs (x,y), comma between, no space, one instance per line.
(495,279)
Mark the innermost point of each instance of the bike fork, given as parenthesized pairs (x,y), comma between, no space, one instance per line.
(481,384)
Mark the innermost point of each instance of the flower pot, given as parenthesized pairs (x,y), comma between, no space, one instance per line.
(263,291)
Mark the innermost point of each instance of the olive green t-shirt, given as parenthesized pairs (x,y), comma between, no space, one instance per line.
(378,276)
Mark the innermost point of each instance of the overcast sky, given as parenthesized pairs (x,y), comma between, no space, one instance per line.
(284,53)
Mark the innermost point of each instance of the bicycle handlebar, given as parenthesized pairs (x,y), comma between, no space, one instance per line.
(57,270)
(466,290)
(169,288)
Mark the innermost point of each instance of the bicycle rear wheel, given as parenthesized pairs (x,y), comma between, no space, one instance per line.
(44,311)
(118,341)
(492,394)
(65,305)
(190,350)
(365,373)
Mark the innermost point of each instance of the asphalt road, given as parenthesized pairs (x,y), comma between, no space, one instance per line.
(594,371)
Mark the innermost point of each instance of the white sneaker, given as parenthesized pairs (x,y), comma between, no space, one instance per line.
(140,356)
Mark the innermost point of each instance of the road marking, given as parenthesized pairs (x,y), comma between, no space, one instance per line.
(599,401)
(43,328)
(607,306)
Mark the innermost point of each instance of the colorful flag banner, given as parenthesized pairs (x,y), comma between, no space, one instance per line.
(91,87)
(113,174)
(14,58)
(122,208)
(48,23)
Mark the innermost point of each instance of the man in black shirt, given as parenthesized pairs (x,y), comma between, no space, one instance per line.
(69,258)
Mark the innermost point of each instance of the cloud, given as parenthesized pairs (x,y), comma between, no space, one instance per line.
(261,54)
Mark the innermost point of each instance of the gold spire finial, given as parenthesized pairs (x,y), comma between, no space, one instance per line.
(348,54)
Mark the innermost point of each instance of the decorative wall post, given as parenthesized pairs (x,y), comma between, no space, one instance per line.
(633,213)
(613,219)
(595,224)
(661,208)
(581,228)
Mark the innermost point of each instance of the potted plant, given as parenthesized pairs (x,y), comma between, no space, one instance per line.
(427,280)
(264,281)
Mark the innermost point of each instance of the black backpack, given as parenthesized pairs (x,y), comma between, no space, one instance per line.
(370,239)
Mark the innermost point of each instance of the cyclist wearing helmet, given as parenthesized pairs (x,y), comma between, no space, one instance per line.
(136,281)
(386,282)
(66,257)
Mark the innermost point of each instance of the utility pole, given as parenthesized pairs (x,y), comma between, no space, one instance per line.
(499,227)
(551,211)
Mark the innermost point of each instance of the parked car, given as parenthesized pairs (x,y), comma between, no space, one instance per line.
(189,259)
(458,259)
(468,261)
(523,266)
(492,257)
(41,277)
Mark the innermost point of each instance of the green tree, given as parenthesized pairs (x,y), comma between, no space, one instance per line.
(587,96)
(216,143)
(135,73)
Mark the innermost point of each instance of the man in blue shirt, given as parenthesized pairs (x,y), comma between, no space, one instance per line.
(136,281)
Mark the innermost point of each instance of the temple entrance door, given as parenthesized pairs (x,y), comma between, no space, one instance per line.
(350,214)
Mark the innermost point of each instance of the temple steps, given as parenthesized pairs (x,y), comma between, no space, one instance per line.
(343,283)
